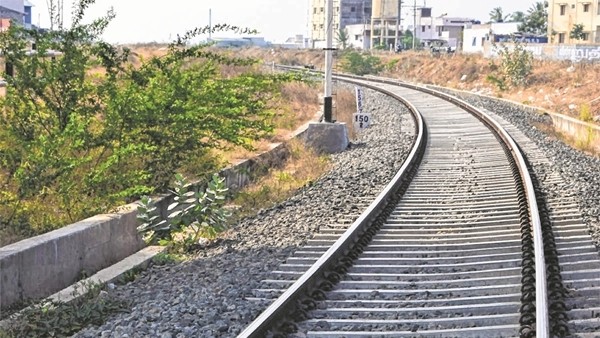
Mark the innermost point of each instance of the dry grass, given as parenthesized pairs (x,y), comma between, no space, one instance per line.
(303,167)
(345,108)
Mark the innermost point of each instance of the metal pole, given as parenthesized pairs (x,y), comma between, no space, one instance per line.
(210,24)
(398,24)
(327,99)
(414,39)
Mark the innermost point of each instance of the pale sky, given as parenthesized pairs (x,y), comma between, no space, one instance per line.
(276,20)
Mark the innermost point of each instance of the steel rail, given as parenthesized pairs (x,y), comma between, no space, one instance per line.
(542,316)
(541,301)
(283,305)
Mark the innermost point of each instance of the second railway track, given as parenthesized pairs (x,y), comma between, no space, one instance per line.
(454,257)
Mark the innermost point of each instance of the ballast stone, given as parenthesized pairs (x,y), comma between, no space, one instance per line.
(328,138)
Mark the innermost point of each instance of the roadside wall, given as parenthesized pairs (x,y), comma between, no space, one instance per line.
(574,53)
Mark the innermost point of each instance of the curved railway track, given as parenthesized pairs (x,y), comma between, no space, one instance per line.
(451,248)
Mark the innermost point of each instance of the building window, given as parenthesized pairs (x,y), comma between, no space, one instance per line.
(352,9)
(585,37)
(315,10)
(422,28)
(561,37)
(586,8)
(314,27)
(598,7)
(321,26)
(563,9)
(322,9)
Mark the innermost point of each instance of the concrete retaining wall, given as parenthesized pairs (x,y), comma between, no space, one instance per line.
(40,266)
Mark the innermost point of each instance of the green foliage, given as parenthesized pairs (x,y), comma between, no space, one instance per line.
(360,63)
(165,258)
(193,215)
(407,40)
(498,82)
(497,15)
(536,20)
(85,131)
(516,64)
(577,32)
(59,319)
(342,38)
(518,16)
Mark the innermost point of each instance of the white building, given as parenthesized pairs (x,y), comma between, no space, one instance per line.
(442,27)
(477,37)
(359,36)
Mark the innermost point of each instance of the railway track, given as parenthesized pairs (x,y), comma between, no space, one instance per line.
(452,248)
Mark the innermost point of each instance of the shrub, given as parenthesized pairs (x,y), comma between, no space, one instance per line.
(516,64)
(194,215)
(86,130)
(360,64)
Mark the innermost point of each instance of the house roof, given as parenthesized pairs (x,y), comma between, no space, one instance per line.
(27,3)
(11,10)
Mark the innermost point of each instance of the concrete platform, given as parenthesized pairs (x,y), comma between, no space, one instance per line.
(328,138)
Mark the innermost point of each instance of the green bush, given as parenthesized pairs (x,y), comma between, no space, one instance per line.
(516,64)
(193,215)
(360,63)
(86,130)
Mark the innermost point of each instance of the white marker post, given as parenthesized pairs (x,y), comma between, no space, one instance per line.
(361,120)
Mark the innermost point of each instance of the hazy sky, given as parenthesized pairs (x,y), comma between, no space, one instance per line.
(153,20)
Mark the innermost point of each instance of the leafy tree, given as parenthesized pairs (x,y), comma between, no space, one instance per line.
(577,32)
(86,130)
(407,39)
(497,15)
(517,16)
(536,21)
(342,38)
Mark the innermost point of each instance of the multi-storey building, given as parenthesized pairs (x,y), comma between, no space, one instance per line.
(563,15)
(345,12)
(385,23)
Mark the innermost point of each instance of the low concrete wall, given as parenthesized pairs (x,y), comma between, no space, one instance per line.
(40,266)
(565,124)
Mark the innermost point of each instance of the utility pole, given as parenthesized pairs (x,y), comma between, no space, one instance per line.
(383,41)
(398,24)
(327,99)
(210,24)
(414,38)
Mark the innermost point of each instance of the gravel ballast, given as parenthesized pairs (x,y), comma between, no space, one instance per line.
(205,297)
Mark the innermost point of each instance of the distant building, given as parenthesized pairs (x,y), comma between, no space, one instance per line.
(296,42)
(16,11)
(385,23)
(345,13)
(13,10)
(479,37)
(27,13)
(240,42)
(449,29)
(359,36)
(563,15)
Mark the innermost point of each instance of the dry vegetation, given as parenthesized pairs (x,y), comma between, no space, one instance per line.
(558,86)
